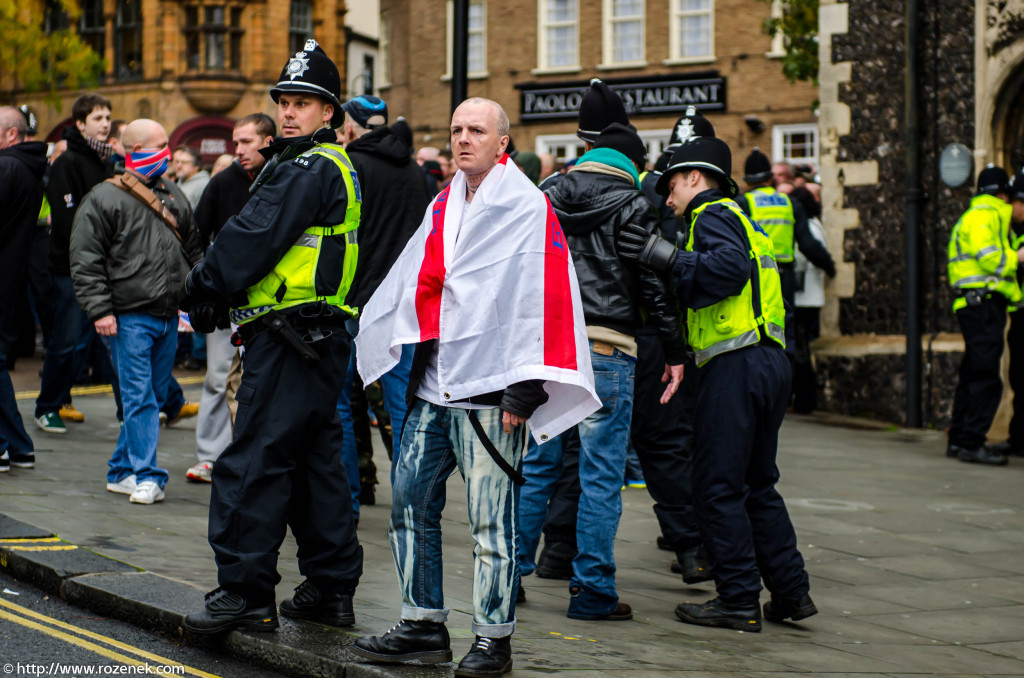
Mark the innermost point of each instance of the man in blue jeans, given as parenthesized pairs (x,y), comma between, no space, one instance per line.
(593,201)
(128,264)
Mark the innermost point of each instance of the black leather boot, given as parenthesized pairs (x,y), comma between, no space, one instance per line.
(953,451)
(717,612)
(226,610)
(312,603)
(779,609)
(555,560)
(488,657)
(694,565)
(982,455)
(406,641)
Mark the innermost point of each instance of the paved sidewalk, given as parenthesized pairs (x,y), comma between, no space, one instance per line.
(915,560)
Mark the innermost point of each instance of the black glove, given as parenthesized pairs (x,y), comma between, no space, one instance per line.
(636,244)
(203,316)
(194,293)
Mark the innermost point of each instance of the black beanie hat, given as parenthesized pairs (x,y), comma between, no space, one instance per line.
(311,71)
(993,180)
(691,124)
(758,168)
(600,107)
(625,140)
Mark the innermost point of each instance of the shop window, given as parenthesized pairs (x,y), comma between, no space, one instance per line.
(300,24)
(128,40)
(565,147)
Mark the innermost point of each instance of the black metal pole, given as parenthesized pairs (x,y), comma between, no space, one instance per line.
(913,260)
(460,51)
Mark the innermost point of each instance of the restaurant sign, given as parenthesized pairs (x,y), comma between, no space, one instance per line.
(660,94)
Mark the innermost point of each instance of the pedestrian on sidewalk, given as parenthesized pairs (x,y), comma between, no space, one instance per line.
(132,245)
(486,291)
(22,165)
(728,280)
(284,266)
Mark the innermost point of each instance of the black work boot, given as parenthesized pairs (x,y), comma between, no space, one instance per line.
(694,565)
(717,612)
(405,641)
(779,609)
(313,603)
(226,610)
(488,657)
(982,455)
(953,451)
(555,560)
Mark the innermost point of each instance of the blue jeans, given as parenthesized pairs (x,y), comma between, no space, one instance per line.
(65,352)
(143,351)
(604,442)
(435,441)
(542,467)
(170,402)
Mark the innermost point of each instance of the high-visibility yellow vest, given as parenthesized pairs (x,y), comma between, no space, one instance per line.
(738,321)
(773,212)
(320,265)
(981,255)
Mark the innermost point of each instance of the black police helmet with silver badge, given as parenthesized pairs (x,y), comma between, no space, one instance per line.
(690,124)
(993,180)
(709,154)
(311,71)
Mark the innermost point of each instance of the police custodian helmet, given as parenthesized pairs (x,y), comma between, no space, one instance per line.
(708,154)
(311,71)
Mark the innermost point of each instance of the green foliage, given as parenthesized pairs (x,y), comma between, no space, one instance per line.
(799,27)
(35,60)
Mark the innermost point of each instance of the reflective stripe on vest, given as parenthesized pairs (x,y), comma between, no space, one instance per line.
(321,264)
(740,320)
(983,233)
(773,212)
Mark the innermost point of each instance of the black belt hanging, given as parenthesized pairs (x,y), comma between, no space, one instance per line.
(515,475)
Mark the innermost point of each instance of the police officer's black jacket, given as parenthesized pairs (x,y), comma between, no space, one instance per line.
(591,207)
(394,200)
(73,175)
(21,194)
(301,192)
(224,197)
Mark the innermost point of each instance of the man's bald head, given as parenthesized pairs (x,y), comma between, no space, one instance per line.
(143,133)
(501,123)
(12,126)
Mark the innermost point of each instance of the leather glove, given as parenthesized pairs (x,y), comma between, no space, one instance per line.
(206,316)
(636,244)
(194,293)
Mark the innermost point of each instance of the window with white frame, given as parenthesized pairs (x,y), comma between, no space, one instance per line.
(558,34)
(476,65)
(795,144)
(692,30)
(778,48)
(623,32)
(384,51)
(565,147)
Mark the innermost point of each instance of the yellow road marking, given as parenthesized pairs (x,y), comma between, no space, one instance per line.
(68,547)
(96,390)
(25,540)
(110,654)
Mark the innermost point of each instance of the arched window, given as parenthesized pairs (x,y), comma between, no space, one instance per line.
(128,40)
(300,24)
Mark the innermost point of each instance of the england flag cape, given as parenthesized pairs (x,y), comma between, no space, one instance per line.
(502,298)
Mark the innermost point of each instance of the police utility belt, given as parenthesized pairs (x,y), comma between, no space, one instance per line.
(305,343)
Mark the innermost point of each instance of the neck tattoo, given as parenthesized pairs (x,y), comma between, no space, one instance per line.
(473,182)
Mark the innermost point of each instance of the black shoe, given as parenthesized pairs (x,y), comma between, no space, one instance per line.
(1007,447)
(953,451)
(26,460)
(225,610)
(555,561)
(312,603)
(405,641)
(664,544)
(5,462)
(719,613)
(520,594)
(488,657)
(779,609)
(693,565)
(366,495)
(982,455)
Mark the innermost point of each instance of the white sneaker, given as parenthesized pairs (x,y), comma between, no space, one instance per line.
(125,485)
(201,472)
(146,492)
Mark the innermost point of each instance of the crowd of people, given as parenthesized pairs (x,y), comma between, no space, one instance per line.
(533,338)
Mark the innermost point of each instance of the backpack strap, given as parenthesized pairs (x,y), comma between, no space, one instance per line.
(131,184)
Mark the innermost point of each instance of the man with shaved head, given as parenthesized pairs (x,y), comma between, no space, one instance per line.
(486,292)
(22,164)
(132,245)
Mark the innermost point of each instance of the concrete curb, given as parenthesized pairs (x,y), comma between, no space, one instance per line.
(121,591)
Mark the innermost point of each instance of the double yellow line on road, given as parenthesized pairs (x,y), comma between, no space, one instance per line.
(57,629)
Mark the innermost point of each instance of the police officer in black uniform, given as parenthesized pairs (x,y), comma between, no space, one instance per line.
(283,267)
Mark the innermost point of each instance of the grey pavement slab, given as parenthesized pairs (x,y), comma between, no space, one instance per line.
(916,563)
(15,529)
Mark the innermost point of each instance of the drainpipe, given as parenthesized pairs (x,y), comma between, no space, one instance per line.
(460,51)
(913,221)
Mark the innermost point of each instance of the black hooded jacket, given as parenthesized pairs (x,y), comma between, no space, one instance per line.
(395,198)
(592,207)
(72,175)
(22,167)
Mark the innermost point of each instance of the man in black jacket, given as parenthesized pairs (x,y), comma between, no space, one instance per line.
(394,199)
(592,203)
(22,165)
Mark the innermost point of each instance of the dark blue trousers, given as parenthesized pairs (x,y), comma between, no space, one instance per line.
(743,520)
